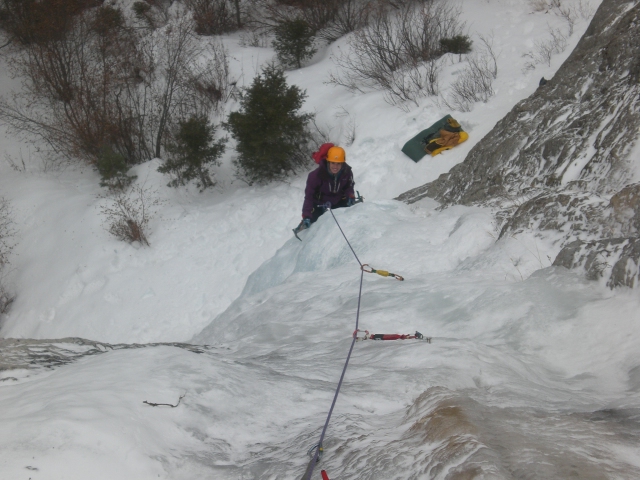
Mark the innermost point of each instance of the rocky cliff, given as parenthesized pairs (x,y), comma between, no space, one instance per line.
(562,159)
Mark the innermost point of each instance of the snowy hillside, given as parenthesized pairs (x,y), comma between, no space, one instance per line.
(532,371)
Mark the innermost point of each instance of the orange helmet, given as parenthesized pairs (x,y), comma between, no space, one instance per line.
(336,155)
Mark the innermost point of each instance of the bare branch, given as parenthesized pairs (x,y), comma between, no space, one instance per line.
(128,215)
(398,51)
(107,84)
(166,404)
(475,82)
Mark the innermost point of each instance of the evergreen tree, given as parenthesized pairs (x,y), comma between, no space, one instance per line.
(458,44)
(113,169)
(272,138)
(192,151)
(294,42)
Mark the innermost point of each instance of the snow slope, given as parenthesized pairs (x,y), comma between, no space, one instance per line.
(532,373)
(213,241)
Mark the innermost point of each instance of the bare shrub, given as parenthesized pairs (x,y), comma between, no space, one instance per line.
(15,164)
(142,11)
(539,5)
(208,81)
(254,38)
(264,15)
(65,99)
(584,9)
(350,15)
(569,10)
(267,14)
(413,82)
(153,13)
(6,299)
(127,217)
(544,50)
(475,82)
(106,84)
(177,83)
(328,19)
(398,51)
(7,234)
(319,13)
(215,17)
(569,16)
(572,12)
(332,19)
(31,21)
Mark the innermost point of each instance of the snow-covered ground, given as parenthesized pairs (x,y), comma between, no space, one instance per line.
(533,372)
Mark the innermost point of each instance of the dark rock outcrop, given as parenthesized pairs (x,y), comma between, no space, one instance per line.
(625,208)
(615,259)
(577,215)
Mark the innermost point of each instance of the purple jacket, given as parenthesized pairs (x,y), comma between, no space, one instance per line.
(322,187)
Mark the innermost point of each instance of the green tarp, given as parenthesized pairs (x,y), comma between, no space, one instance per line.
(414,148)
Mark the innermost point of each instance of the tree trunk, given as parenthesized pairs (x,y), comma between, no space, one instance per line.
(236,4)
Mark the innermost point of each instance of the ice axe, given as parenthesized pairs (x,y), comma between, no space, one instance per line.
(299,228)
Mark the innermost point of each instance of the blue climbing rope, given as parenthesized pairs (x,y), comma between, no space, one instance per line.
(319,450)
(352,250)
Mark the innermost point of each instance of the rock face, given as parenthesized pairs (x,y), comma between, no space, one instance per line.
(575,214)
(625,208)
(560,160)
(614,258)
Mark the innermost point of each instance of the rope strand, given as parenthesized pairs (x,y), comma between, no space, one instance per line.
(314,460)
(345,237)
(363,268)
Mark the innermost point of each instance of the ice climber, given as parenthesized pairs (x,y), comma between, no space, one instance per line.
(332,182)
